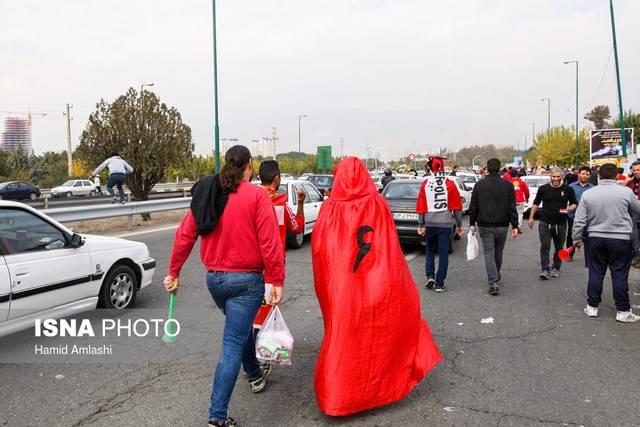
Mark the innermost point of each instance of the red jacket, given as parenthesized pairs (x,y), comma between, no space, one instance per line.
(454,202)
(519,187)
(245,239)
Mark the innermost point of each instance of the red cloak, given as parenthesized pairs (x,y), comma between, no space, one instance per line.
(376,345)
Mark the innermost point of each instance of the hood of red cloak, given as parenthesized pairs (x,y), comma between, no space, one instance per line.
(351,180)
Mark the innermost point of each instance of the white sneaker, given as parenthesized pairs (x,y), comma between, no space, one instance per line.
(554,273)
(591,311)
(627,317)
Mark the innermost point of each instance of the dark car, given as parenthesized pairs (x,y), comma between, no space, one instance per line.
(402,196)
(324,183)
(16,190)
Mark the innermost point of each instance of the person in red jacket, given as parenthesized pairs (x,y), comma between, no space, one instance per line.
(439,207)
(244,242)
(521,191)
(269,174)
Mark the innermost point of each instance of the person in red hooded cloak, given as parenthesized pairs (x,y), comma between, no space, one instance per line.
(376,345)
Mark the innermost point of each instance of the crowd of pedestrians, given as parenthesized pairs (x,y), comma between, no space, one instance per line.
(243,229)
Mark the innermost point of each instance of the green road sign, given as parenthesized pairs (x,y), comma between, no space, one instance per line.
(325,161)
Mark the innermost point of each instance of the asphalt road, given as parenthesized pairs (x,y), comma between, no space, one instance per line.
(541,362)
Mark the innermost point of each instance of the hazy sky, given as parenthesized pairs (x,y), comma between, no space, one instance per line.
(401,76)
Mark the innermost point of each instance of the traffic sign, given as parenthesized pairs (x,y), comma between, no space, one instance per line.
(325,162)
(412,157)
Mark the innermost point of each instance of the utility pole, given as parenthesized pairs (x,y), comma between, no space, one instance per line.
(300,116)
(341,148)
(533,136)
(548,113)
(615,51)
(69,159)
(274,140)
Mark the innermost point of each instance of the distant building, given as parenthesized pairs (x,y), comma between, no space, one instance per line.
(264,148)
(17,135)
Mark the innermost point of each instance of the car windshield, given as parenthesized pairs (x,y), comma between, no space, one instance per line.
(468,178)
(536,182)
(402,190)
(282,189)
(321,181)
(3,185)
(68,184)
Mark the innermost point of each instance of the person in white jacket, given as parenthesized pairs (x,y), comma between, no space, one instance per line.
(118,170)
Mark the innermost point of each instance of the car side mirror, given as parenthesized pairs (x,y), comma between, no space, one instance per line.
(76,240)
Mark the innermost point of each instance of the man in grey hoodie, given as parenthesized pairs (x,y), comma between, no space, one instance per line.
(606,211)
(118,170)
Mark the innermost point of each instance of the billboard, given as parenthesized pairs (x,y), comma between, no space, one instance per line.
(606,146)
(325,162)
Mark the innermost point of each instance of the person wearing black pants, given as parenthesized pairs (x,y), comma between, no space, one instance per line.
(616,255)
(557,201)
(548,233)
(606,211)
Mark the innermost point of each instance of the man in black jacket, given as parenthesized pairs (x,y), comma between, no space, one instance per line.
(493,208)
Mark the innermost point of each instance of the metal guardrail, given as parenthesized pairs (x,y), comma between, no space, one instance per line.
(85,213)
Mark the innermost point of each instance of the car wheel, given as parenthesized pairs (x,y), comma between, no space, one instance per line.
(119,288)
(295,241)
(33,196)
(68,194)
(92,194)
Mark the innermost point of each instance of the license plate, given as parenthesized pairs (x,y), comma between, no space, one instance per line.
(405,216)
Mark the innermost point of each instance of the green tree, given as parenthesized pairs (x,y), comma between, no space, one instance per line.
(599,116)
(150,135)
(631,120)
(557,146)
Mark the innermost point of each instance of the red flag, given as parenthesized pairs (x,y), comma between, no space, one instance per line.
(376,346)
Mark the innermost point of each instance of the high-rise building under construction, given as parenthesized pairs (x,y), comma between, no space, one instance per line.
(17,135)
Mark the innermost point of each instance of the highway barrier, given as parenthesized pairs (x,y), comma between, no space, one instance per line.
(87,213)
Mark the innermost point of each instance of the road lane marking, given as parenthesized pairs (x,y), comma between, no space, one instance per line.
(153,230)
(412,256)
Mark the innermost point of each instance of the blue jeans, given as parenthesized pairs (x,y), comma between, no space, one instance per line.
(438,238)
(239,296)
(116,179)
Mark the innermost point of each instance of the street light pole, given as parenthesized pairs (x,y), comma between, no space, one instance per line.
(577,110)
(615,51)
(300,132)
(215,89)
(548,113)
(473,161)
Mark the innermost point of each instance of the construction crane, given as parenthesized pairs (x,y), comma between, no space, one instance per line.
(20,113)
(23,140)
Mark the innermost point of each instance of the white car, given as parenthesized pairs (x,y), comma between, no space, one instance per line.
(534,182)
(312,203)
(469,179)
(465,192)
(75,187)
(48,271)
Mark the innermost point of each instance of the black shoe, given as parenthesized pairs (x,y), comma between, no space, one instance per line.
(224,423)
(494,289)
(440,288)
(430,283)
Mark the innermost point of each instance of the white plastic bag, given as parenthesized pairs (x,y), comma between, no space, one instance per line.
(473,248)
(274,343)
